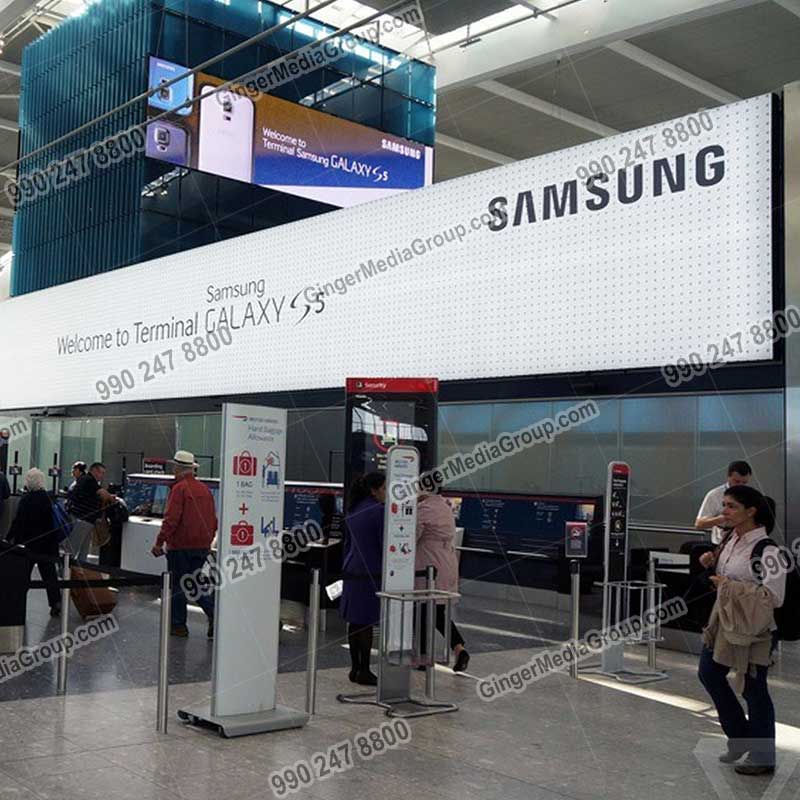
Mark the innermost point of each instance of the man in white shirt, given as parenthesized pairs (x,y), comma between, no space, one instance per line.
(709,517)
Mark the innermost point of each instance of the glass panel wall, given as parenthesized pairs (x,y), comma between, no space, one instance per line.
(201,434)
(742,426)
(528,471)
(81,440)
(581,455)
(461,427)
(678,448)
(659,442)
(47,440)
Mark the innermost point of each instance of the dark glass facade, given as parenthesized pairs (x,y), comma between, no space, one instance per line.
(138,209)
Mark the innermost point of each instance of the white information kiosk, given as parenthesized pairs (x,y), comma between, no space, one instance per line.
(245,666)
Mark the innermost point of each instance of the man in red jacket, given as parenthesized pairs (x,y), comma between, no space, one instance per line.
(190,522)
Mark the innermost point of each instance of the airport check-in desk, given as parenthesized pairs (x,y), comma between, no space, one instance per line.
(146,497)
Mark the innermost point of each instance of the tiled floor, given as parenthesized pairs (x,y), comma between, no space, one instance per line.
(591,738)
(128,660)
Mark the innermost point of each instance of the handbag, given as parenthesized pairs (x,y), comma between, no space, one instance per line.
(101,533)
(62,524)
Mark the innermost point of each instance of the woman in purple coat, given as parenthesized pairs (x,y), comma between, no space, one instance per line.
(361,568)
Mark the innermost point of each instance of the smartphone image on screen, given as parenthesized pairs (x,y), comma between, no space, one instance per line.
(167,142)
(168,98)
(226,135)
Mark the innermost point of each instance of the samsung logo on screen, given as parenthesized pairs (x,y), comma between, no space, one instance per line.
(669,176)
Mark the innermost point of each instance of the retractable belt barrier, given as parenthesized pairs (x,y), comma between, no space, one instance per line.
(118,578)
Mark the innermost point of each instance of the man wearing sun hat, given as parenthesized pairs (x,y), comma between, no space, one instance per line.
(190,522)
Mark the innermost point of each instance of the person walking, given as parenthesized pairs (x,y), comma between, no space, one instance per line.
(436,534)
(361,571)
(741,632)
(32,526)
(190,522)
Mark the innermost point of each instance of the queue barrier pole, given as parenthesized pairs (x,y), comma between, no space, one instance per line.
(61,686)
(162,704)
(575,570)
(430,635)
(651,604)
(313,636)
(119,578)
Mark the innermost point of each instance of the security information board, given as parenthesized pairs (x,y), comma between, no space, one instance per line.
(248,605)
(618,483)
(487,269)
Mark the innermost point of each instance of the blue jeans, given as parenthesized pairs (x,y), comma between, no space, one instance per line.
(180,563)
(754,733)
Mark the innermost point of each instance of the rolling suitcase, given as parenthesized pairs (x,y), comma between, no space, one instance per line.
(93,600)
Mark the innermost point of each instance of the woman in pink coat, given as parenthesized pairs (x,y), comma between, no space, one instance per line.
(436,533)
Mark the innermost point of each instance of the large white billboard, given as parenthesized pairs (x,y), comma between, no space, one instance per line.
(525,269)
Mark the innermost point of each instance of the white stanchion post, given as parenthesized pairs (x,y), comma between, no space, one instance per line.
(575,569)
(313,635)
(62,658)
(162,710)
(651,604)
(430,673)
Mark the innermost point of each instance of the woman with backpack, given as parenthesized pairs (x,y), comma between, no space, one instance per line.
(741,632)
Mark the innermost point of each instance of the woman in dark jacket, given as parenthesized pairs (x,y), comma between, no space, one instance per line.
(33,527)
(362,565)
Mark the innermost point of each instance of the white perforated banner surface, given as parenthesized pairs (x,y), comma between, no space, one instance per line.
(634,269)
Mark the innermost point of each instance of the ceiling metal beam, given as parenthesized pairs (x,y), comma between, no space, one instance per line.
(578,29)
(792,6)
(546,107)
(473,149)
(7,68)
(12,10)
(693,82)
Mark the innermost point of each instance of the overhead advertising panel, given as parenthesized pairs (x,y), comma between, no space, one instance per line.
(673,256)
(257,138)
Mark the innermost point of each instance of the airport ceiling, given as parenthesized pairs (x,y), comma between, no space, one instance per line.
(518,78)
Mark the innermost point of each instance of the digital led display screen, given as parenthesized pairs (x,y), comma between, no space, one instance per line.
(515,271)
(261,139)
(526,523)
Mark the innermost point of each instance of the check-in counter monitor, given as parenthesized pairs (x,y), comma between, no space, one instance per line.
(322,503)
(518,539)
(146,498)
